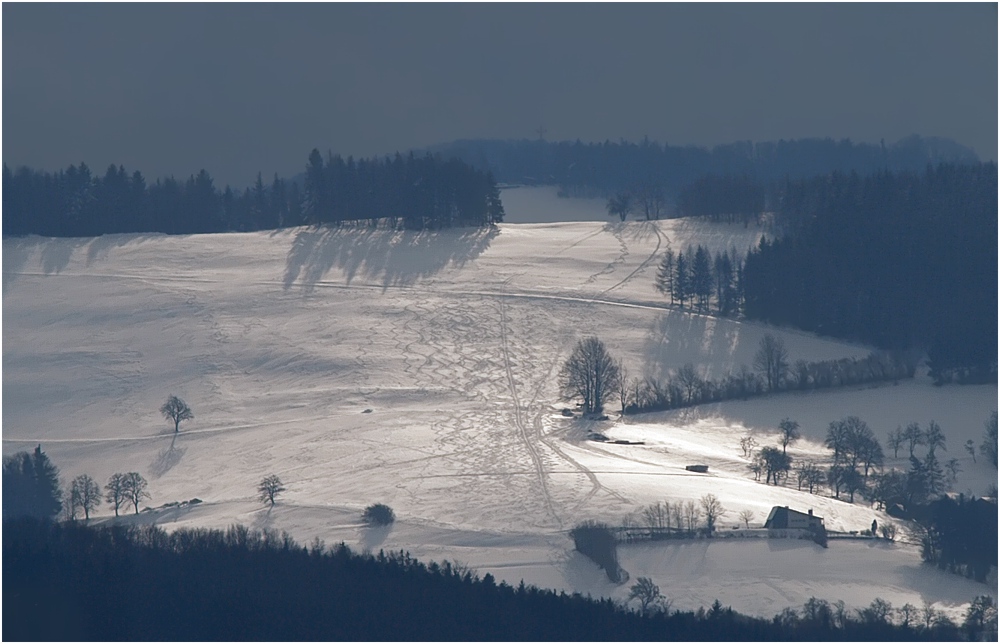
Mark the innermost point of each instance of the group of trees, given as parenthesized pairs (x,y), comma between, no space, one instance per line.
(897,260)
(414,192)
(31,488)
(664,517)
(31,485)
(317,593)
(696,277)
(772,372)
(594,377)
(857,466)
(855,448)
(961,535)
(726,198)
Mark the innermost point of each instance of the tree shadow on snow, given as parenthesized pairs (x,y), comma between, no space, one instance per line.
(390,257)
(166,460)
(678,337)
(374,536)
(55,253)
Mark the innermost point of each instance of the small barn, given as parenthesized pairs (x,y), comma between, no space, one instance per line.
(783,518)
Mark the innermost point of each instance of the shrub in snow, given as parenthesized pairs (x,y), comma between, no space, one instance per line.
(379,514)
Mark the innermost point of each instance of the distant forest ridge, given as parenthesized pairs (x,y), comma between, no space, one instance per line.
(411,192)
(602,169)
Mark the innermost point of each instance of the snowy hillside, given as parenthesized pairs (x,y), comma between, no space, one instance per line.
(282,342)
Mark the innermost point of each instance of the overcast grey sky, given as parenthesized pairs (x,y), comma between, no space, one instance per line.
(242,88)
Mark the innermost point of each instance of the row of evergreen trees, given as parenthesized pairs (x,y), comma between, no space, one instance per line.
(896,260)
(69,582)
(415,192)
(695,277)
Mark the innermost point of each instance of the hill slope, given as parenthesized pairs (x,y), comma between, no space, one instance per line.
(282,341)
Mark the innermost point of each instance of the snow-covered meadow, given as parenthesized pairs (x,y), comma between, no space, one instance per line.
(419,370)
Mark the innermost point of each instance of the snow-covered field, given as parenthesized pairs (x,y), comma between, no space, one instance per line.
(281,342)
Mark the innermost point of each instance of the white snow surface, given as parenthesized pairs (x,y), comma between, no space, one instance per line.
(280,341)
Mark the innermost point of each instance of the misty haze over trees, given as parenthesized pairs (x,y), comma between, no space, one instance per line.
(603,169)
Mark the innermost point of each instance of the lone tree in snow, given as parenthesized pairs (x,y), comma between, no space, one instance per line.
(789,433)
(746,516)
(85,494)
(590,373)
(176,410)
(270,488)
(135,489)
(771,360)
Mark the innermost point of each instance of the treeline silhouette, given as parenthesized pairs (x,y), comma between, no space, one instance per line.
(602,169)
(896,260)
(684,387)
(70,582)
(414,192)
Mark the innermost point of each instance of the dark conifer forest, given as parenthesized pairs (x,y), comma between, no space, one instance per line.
(896,260)
(70,582)
(413,192)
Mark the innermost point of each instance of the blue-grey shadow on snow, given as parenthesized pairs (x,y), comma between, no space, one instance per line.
(374,536)
(55,253)
(390,257)
(166,460)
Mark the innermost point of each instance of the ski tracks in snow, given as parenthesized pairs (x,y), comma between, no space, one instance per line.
(644,264)
(518,413)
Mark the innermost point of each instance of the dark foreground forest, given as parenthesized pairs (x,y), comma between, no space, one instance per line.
(70,582)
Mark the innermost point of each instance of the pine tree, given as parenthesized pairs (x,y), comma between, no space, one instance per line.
(665,275)
(31,486)
(682,279)
(701,277)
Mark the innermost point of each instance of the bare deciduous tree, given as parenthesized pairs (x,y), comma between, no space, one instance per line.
(135,489)
(771,360)
(657,515)
(746,516)
(116,491)
(790,433)
(692,514)
(590,373)
(269,488)
(649,596)
(176,410)
(713,511)
(689,379)
(934,437)
(620,205)
(895,441)
(747,443)
(85,494)
(651,199)
(913,436)
(622,385)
